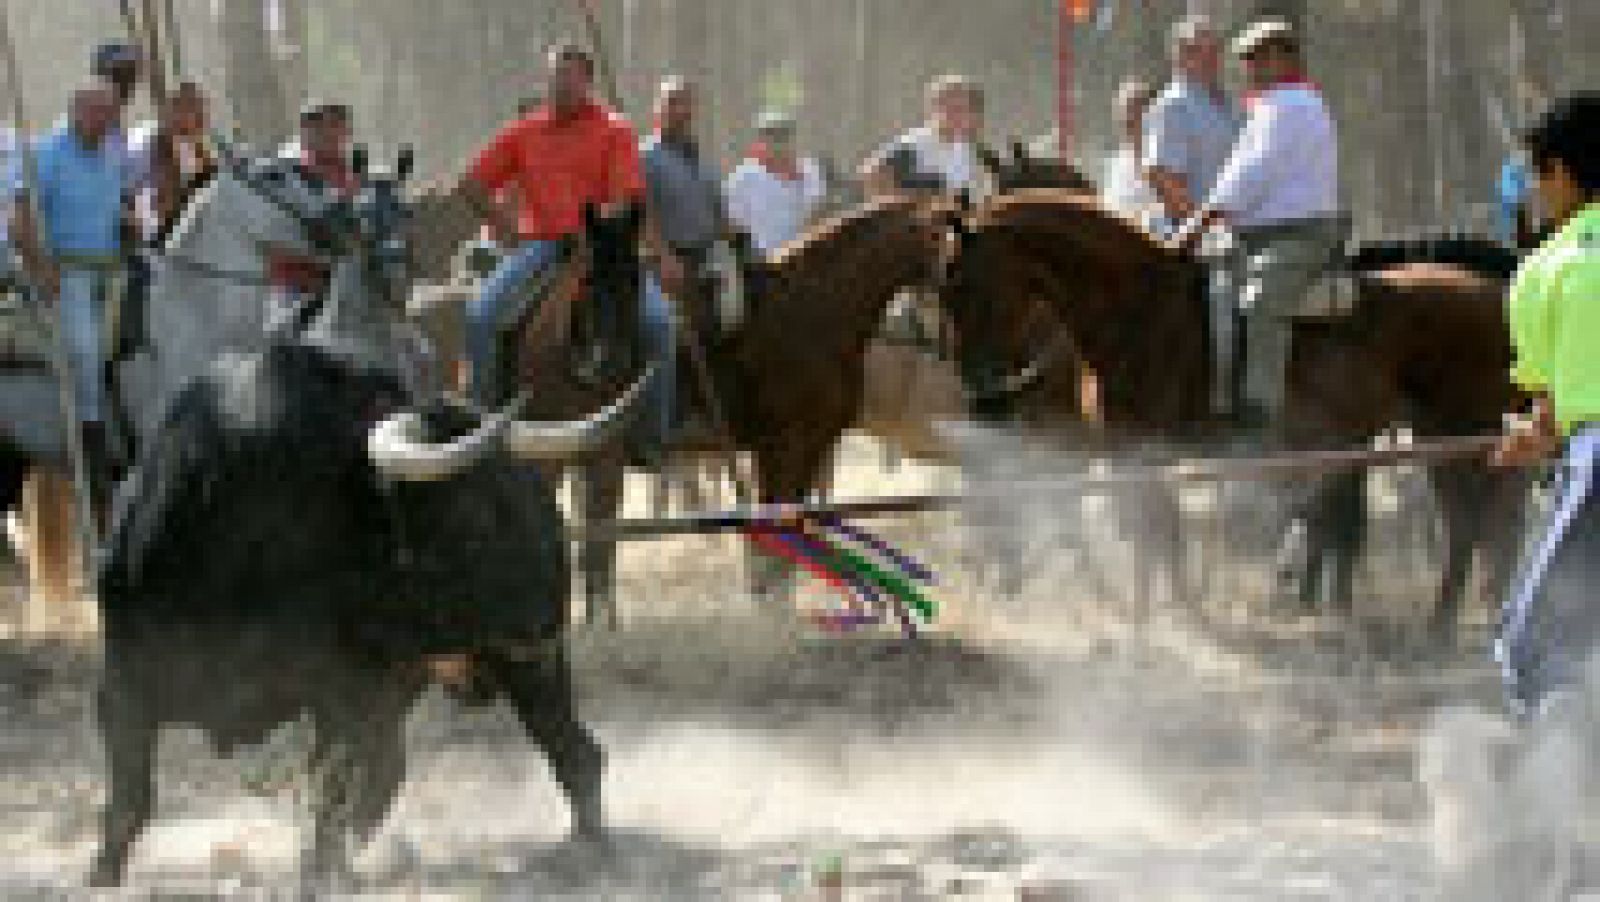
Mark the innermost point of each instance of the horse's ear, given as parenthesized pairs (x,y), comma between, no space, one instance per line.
(405,163)
(990,160)
(956,220)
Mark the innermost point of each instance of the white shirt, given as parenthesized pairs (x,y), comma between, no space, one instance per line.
(1125,190)
(954,161)
(775,211)
(1285,167)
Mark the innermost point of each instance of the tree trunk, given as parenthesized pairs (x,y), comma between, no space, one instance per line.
(260,109)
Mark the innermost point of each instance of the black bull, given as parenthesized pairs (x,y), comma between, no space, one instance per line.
(258,570)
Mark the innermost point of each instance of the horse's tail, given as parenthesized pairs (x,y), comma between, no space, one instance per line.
(48,521)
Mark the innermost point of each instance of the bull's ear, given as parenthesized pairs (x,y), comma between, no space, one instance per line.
(963,202)
(359,158)
(1019,154)
(591,216)
(633,217)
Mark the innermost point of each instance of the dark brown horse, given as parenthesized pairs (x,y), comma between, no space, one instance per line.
(1136,313)
(1065,313)
(786,382)
(1426,346)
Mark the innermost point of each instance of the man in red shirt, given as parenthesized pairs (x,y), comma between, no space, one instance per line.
(568,152)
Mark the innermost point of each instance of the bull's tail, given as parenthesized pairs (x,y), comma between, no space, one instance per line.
(50,545)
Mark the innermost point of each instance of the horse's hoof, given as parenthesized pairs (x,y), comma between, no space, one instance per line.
(326,884)
(105,874)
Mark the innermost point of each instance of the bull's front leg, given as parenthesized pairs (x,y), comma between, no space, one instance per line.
(541,694)
(128,730)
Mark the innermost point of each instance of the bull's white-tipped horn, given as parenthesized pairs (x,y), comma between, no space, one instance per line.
(399,447)
(564,442)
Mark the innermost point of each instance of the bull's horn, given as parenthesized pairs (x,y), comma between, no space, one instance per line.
(399,447)
(565,442)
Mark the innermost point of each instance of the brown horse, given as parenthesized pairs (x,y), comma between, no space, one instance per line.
(790,378)
(1427,346)
(1044,285)
(1136,312)
(787,381)
(911,388)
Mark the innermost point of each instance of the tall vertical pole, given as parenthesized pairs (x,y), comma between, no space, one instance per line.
(1066,80)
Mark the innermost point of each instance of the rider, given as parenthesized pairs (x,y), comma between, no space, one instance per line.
(775,193)
(940,156)
(1279,196)
(1551,625)
(685,200)
(571,152)
(73,249)
(1191,127)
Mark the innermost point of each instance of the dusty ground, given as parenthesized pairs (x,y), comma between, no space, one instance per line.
(1040,748)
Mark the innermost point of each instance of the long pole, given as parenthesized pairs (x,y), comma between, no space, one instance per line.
(58,347)
(1066,77)
(608,76)
(1240,469)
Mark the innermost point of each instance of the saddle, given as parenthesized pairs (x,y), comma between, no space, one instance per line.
(1333,295)
(25,338)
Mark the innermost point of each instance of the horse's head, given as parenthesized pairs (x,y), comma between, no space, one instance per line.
(612,242)
(379,225)
(1024,169)
(978,272)
(371,275)
(612,271)
(265,207)
(1038,271)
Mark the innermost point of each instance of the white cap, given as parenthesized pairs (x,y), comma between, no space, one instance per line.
(1260,33)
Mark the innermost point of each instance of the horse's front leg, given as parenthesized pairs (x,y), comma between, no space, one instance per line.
(128,729)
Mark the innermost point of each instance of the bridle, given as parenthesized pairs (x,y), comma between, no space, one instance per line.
(989,390)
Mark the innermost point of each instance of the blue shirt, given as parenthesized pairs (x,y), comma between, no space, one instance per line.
(81,193)
(684,194)
(1190,131)
(1513,190)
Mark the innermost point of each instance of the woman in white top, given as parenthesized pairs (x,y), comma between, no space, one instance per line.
(774,193)
(1123,186)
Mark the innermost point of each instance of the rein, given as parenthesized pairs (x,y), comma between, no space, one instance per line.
(201,268)
(1060,348)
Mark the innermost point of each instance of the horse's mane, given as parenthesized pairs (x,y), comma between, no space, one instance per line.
(1476,254)
(190,201)
(840,229)
(1077,219)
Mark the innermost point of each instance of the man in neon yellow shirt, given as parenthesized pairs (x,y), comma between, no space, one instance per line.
(1551,625)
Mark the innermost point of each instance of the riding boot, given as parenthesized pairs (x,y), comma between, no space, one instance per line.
(100,466)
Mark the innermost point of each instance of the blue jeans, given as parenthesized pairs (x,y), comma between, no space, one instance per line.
(661,343)
(82,323)
(489,313)
(493,311)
